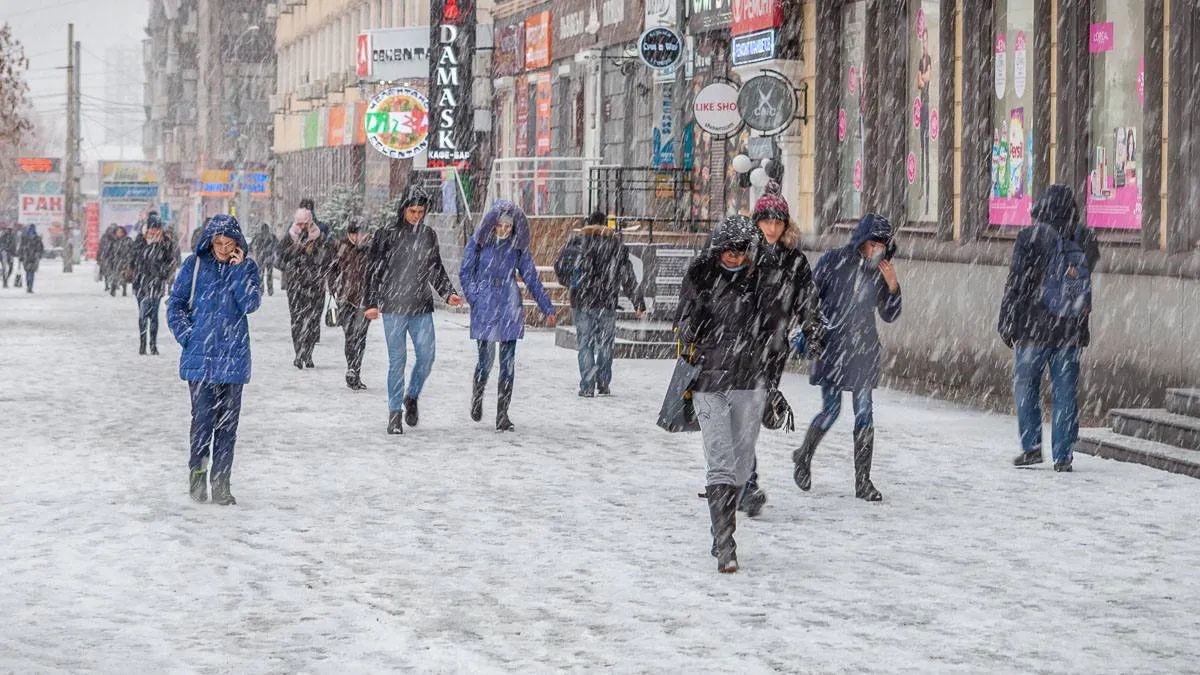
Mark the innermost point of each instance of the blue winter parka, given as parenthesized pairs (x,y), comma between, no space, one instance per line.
(851,293)
(488,277)
(214,331)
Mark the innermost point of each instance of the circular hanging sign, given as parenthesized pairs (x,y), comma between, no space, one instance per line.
(660,47)
(716,109)
(767,103)
(397,122)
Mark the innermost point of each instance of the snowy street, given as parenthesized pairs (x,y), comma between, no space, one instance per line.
(576,543)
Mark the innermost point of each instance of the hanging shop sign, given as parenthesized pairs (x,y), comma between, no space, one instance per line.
(38,164)
(452,135)
(767,103)
(537,41)
(661,48)
(43,210)
(716,109)
(750,16)
(661,13)
(392,54)
(397,122)
(753,47)
(128,172)
(709,15)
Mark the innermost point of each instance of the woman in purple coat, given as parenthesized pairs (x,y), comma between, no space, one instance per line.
(494,256)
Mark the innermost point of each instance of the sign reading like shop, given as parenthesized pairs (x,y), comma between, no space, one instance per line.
(767,103)
(753,47)
(661,48)
(452,138)
(716,110)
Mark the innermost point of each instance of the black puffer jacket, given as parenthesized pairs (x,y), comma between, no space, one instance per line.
(594,265)
(724,323)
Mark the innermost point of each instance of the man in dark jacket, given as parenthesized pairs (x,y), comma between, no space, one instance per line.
(348,284)
(405,263)
(151,264)
(104,254)
(305,254)
(30,253)
(120,252)
(594,265)
(263,249)
(853,284)
(8,252)
(723,329)
(1044,316)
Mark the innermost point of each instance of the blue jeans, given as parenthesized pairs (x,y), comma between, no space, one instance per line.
(596,330)
(397,328)
(148,318)
(832,407)
(487,357)
(1027,391)
(216,409)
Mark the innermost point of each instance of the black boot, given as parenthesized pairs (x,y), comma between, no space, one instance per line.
(864,450)
(395,423)
(1029,458)
(410,412)
(142,345)
(308,362)
(477,388)
(352,379)
(722,508)
(298,362)
(153,343)
(502,401)
(753,498)
(802,458)
(220,491)
(198,485)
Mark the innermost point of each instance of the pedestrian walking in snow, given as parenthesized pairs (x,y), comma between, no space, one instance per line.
(348,285)
(104,253)
(496,254)
(405,263)
(853,284)
(8,251)
(151,265)
(791,303)
(30,252)
(215,290)
(723,329)
(595,267)
(305,253)
(120,253)
(1044,317)
(263,248)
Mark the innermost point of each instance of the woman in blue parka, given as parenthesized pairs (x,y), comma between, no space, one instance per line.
(215,290)
(854,283)
(494,256)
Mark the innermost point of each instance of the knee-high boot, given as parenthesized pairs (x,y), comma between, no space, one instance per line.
(722,508)
(802,457)
(864,450)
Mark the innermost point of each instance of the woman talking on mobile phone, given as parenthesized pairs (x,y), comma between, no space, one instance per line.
(215,290)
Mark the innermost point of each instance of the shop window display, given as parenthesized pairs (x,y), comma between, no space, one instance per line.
(1012,132)
(922,163)
(1116,43)
(852,112)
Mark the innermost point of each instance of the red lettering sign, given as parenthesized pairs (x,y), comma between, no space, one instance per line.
(754,15)
(362,55)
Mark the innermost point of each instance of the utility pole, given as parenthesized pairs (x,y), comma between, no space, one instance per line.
(71,152)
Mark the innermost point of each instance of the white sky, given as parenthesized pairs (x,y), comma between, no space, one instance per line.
(41,26)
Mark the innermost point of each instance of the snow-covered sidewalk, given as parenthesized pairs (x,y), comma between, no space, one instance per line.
(577,542)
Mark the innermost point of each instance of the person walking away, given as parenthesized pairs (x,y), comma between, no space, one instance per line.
(263,249)
(104,254)
(305,254)
(498,251)
(30,252)
(120,251)
(722,330)
(595,266)
(348,284)
(8,252)
(214,292)
(1044,317)
(853,283)
(791,303)
(152,264)
(405,263)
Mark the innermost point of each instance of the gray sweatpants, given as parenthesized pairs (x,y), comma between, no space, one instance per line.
(729,425)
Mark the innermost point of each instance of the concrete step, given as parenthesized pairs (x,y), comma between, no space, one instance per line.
(1161,426)
(1184,402)
(645,331)
(1111,445)
(564,336)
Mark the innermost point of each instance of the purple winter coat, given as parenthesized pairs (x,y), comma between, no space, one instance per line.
(488,277)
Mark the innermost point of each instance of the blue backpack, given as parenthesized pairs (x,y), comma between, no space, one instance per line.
(1067,281)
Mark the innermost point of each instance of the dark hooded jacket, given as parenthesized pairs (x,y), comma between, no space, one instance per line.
(8,241)
(724,323)
(208,319)
(31,249)
(405,262)
(595,268)
(1023,316)
(788,285)
(850,293)
(152,265)
(120,255)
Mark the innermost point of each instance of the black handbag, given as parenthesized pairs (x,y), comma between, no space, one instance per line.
(777,414)
(678,413)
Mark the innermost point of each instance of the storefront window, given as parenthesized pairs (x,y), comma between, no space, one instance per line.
(852,113)
(1117,47)
(1012,132)
(922,165)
